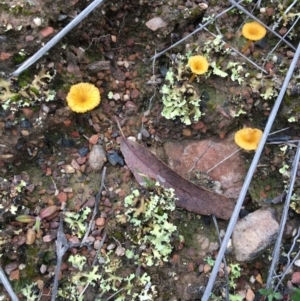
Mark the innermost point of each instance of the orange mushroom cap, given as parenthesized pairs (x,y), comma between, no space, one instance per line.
(248,138)
(253,31)
(198,64)
(83,97)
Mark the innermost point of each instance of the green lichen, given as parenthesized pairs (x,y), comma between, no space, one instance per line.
(77,221)
(29,93)
(152,231)
(180,97)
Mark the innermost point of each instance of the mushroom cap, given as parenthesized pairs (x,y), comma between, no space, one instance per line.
(248,138)
(83,97)
(198,64)
(253,31)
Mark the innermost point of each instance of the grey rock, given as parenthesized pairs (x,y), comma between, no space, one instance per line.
(254,233)
(98,66)
(97,157)
(156,23)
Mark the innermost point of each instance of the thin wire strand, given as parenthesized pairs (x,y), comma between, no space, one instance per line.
(289,264)
(284,14)
(223,160)
(248,178)
(56,38)
(279,42)
(239,53)
(224,258)
(283,218)
(192,33)
(259,21)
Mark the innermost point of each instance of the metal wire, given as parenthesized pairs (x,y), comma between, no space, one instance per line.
(283,217)
(56,38)
(239,53)
(248,178)
(259,21)
(290,263)
(201,26)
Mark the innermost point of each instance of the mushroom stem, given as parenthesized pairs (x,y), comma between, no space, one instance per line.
(192,77)
(246,46)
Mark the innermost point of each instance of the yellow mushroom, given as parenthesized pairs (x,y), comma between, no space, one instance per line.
(198,65)
(253,31)
(248,138)
(83,97)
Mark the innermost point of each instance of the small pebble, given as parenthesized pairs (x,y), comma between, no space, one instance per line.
(97,157)
(10,267)
(114,158)
(145,133)
(100,222)
(30,237)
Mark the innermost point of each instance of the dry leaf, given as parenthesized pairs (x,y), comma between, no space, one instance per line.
(143,163)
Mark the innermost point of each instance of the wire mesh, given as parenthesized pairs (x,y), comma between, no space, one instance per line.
(281,39)
(250,12)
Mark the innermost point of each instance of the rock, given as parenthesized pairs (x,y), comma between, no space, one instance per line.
(156,23)
(203,155)
(62,197)
(97,157)
(118,74)
(98,66)
(100,222)
(134,94)
(254,233)
(14,275)
(296,278)
(10,267)
(46,31)
(250,295)
(30,237)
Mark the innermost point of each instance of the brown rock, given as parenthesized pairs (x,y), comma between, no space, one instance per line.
(250,295)
(296,278)
(282,31)
(203,155)
(14,275)
(94,139)
(62,197)
(187,132)
(73,68)
(75,164)
(5,56)
(46,31)
(100,221)
(198,125)
(206,268)
(134,94)
(30,237)
(130,42)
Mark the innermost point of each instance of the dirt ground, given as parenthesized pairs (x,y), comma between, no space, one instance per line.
(45,148)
